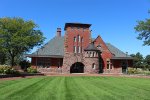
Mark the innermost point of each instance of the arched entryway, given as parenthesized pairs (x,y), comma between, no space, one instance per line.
(77,67)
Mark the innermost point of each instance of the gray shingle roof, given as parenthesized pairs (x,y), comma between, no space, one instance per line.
(55,48)
(116,52)
(91,47)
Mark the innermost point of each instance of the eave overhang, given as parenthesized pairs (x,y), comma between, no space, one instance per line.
(51,56)
(120,58)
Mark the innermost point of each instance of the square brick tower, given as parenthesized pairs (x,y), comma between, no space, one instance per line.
(77,38)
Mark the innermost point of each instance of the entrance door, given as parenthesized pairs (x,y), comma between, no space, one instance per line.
(77,67)
(124,67)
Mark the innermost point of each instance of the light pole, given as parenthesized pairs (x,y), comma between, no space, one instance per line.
(126,63)
(37,58)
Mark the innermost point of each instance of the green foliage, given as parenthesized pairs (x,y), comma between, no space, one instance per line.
(2,58)
(132,71)
(147,62)
(25,64)
(32,70)
(143,28)
(4,69)
(135,71)
(18,36)
(137,60)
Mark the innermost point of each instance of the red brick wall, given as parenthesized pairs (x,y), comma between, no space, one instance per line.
(53,61)
(118,63)
(71,33)
(106,54)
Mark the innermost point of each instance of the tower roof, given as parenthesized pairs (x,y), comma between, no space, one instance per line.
(76,25)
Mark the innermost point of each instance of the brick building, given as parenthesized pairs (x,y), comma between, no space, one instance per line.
(78,52)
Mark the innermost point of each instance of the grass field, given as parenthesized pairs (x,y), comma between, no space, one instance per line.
(75,88)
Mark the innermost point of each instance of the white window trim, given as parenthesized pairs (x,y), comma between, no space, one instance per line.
(79,49)
(75,39)
(75,49)
(79,38)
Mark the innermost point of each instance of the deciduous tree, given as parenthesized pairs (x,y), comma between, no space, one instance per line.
(18,35)
(143,27)
(137,60)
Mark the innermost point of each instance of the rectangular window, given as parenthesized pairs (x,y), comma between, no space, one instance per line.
(75,39)
(82,39)
(79,39)
(74,49)
(79,49)
(107,66)
(91,54)
(110,66)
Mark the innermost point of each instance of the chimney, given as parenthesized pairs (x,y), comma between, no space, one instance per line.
(58,34)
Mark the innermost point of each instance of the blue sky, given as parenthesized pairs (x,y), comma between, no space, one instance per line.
(113,20)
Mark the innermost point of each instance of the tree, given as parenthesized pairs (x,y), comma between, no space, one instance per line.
(147,61)
(2,58)
(18,36)
(137,60)
(143,28)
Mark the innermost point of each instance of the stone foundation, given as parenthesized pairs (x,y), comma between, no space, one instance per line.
(113,71)
(49,70)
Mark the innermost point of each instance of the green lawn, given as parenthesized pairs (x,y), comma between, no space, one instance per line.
(75,88)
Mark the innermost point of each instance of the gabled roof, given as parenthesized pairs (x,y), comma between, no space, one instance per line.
(55,48)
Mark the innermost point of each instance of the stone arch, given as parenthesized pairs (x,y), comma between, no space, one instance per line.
(77,67)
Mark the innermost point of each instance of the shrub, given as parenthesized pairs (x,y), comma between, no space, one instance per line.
(25,64)
(31,70)
(132,71)
(138,71)
(4,69)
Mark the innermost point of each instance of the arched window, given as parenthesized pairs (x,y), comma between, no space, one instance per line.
(93,66)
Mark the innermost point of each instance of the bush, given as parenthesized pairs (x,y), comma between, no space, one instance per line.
(31,70)
(138,71)
(132,71)
(4,69)
(25,64)
(147,72)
